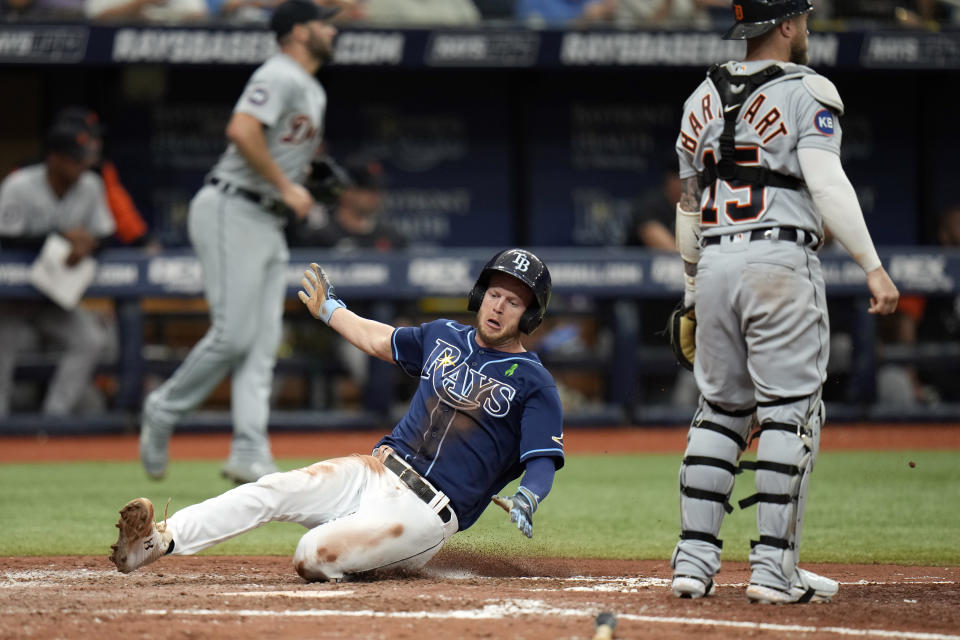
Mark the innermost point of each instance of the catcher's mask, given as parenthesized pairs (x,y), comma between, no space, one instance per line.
(528,269)
(756,17)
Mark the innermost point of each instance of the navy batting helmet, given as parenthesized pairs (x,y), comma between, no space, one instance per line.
(756,17)
(528,269)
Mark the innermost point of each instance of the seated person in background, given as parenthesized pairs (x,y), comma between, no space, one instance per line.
(654,212)
(58,9)
(245,11)
(936,319)
(356,221)
(651,225)
(59,196)
(665,13)
(168,11)
(131,228)
(495,9)
(420,12)
(558,13)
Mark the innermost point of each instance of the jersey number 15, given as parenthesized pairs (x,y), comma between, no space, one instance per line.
(740,202)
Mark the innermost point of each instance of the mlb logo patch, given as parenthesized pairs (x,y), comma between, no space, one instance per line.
(823,121)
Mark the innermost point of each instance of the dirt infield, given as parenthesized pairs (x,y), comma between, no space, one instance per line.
(458,595)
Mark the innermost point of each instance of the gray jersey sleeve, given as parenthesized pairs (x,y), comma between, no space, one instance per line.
(29,208)
(818,124)
(264,97)
(13,212)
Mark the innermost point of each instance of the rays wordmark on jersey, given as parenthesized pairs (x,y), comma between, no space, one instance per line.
(462,387)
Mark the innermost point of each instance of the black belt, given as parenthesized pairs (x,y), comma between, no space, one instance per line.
(787,234)
(271,204)
(417,484)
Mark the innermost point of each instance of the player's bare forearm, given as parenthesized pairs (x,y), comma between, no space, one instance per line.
(690,192)
(656,235)
(370,336)
(246,132)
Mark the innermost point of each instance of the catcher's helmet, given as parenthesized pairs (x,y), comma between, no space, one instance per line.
(528,269)
(756,17)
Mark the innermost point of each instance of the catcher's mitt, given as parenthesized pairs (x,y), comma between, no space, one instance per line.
(681,332)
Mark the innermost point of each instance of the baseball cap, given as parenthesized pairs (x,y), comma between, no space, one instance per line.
(74,139)
(366,173)
(294,12)
(83,117)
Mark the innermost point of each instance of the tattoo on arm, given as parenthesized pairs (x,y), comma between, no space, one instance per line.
(690,194)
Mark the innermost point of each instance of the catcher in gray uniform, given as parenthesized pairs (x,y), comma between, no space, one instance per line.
(236,225)
(759,150)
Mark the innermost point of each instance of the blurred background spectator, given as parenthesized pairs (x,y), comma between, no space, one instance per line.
(668,13)
(933,320)
(355,222)
(651,225)
(165,11)
(60,196)
(652,214)
(131,228)
(244,11)
(420,12)
(621,13)
(556,13)
(51,9)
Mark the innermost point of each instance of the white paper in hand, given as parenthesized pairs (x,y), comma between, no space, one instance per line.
(51,275)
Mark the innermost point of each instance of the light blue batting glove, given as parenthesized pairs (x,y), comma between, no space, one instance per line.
(318,294)
(520,506)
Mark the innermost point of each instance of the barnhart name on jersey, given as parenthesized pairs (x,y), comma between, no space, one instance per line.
(796,110)
(767,126)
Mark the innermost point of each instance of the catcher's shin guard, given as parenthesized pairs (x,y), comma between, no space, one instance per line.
(785,459)
(707,473)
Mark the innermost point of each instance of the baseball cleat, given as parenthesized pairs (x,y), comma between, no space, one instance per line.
(809,587)
(154,449)
(691,587)
(141,540)
(243,472)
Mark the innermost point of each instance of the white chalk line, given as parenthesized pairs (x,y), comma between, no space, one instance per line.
(518,608)
(51,577)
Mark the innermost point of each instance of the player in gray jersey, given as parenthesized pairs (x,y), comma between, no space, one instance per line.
(59,196)
(759,150)
(236,225)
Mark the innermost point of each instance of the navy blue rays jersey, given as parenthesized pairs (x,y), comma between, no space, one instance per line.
(478,415)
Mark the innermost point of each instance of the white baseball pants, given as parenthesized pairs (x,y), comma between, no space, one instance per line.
(360,515)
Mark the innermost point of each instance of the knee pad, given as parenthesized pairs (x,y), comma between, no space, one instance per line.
(785,459)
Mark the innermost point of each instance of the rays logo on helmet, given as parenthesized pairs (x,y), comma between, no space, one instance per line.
(521,262)
(823,121)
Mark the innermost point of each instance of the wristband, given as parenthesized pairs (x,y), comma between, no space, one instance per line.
(328,307)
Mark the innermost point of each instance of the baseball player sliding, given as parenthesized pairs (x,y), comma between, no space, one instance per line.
(485,412)
(759,150)
(236,226)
